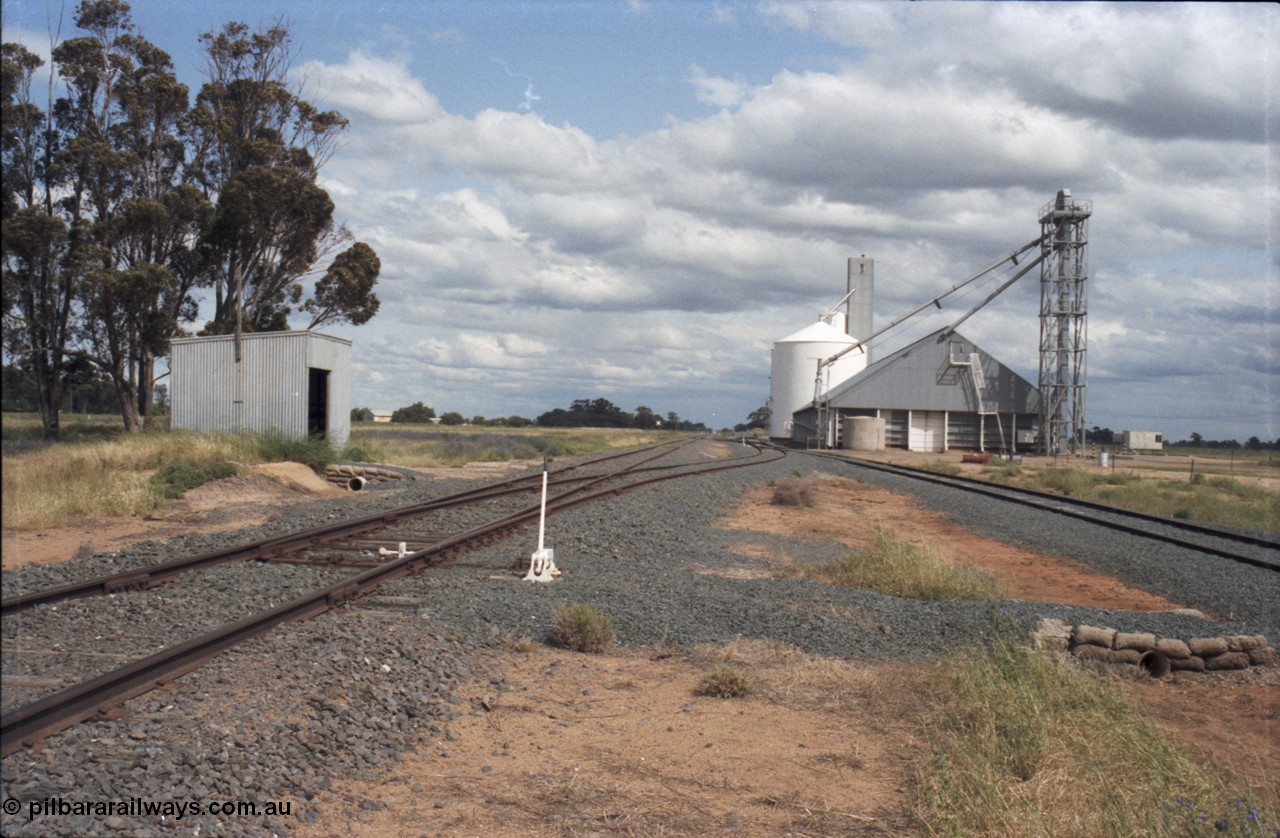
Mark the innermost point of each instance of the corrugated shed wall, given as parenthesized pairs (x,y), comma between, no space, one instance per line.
(266,392)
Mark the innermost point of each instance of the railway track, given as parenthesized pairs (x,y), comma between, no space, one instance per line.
(32,722)
(1247,548)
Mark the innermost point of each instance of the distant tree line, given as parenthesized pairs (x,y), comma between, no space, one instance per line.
(582,413)
(122,199)
(1106,436)
(602,413)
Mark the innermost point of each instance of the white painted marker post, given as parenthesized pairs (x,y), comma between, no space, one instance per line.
(542,564)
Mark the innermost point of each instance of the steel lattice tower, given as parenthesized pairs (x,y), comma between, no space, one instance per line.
(1064,271)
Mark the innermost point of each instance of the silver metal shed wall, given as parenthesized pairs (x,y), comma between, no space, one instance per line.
(267,391)
(928,395)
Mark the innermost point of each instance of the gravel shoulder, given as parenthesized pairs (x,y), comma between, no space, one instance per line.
(439,706)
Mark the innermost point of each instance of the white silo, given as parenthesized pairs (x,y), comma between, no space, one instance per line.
(794,369)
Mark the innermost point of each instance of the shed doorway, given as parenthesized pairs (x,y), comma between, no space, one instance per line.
(928,431)
(317,402)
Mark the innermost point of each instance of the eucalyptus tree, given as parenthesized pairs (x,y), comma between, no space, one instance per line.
(37,289)
(133,222)
(257,148)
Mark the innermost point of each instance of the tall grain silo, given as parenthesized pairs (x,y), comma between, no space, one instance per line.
(794,369)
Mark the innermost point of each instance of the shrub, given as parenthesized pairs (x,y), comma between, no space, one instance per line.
(726,682)
(180,476)
(581,628)
(315,452)
(794,493)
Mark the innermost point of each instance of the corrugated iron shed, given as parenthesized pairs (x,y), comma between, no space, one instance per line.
(295,384)
(938,393)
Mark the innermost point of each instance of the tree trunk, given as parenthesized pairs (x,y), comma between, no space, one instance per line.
(128,394)
(146,389)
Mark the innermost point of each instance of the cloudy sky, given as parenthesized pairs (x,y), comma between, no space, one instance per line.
(634,200)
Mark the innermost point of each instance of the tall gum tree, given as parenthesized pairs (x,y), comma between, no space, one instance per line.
(258,147)
(38,291)
(133,222)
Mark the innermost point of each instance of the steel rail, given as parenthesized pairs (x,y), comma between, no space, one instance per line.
(152,576)
(1085,510)
(26,725)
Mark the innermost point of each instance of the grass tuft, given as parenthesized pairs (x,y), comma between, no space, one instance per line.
(581,628)
(726,682)
(899,568)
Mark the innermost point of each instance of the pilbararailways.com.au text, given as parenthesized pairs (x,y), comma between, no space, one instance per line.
(137,807)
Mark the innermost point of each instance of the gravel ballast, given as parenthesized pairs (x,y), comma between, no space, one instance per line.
(281,717)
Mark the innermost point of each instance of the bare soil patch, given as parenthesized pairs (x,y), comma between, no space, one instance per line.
(587,745)
(848,512)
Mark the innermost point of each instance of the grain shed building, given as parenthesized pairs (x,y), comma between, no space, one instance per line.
(940,393)
(295,384)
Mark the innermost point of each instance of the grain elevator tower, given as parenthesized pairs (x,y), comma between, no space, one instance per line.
(1064,271)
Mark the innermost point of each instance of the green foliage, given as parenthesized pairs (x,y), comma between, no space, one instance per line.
(452,418)
(179,476)
(602,413)
(315,452)
(899,568)
(359,454)
(416,412)
(726,682)
(581,628)
(345,293)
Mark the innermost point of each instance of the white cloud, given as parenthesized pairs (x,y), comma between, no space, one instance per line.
(372,87)
(717,91)
(570,266)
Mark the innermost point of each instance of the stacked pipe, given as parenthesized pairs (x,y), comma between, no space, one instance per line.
(1157,655)
(355,477)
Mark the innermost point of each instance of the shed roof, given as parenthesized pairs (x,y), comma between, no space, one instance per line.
(931,374)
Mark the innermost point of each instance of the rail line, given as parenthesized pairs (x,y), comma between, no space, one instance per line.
(1215,541)
(279,548)
(28,724)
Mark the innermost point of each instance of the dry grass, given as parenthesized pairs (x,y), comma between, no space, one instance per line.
(786,675)
(581,628)
(1010,741)
(102,471)
(45,487)
(1021,743)
(802,492)
(726,682)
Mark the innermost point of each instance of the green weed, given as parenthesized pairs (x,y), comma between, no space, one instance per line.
(180,476)
(899,568)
